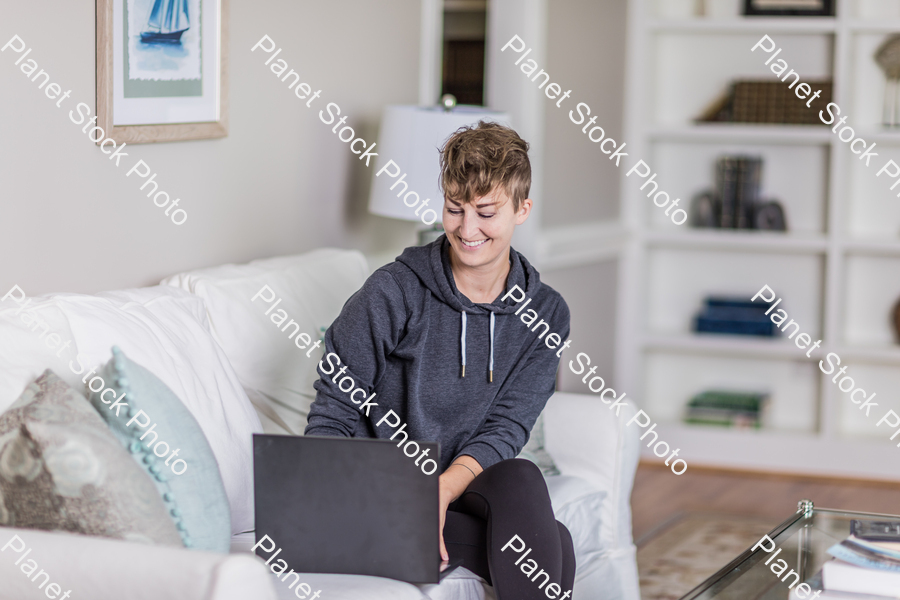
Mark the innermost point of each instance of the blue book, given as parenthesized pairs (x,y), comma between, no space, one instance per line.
(864,556)
(736,327)
(735,316)
(724,301)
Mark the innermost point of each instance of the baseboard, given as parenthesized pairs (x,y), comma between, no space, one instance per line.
(775,475)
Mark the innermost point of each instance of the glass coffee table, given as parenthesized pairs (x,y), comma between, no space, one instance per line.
(804,539)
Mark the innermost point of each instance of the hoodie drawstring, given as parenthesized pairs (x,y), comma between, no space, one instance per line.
(491,366)
(463,344)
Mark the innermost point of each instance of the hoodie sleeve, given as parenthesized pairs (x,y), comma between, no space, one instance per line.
(361,338)
(508,425)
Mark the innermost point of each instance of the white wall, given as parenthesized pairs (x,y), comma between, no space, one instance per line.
(279,183)
(586,42)
(507,89)
(585,52)
(590,292)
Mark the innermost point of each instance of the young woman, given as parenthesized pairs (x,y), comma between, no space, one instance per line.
(433,336)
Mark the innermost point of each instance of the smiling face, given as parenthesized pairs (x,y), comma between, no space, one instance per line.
(480,231)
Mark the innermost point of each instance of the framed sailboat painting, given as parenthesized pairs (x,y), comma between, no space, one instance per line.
(162,69)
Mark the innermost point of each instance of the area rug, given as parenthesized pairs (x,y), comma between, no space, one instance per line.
(690,548)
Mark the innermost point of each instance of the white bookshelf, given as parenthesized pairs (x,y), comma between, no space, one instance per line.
(837,268)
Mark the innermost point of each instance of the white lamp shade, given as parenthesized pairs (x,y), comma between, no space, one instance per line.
(412,136)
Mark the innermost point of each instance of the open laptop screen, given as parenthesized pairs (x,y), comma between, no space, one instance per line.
(347,505)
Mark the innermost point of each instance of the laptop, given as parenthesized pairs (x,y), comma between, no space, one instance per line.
(348,505)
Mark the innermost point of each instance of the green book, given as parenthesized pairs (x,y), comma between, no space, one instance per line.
(743,401)
(726,408)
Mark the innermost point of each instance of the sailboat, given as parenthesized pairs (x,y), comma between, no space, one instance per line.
(168,20)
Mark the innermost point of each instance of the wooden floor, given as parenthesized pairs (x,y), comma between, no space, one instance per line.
(659,495)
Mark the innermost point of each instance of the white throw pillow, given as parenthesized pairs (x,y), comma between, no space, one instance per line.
(578,505)
(33,337)
(277,374)
(164,330)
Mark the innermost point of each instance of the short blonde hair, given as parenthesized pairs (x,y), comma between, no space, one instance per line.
(476,160)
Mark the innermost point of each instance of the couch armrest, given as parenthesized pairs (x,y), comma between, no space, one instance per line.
(587,439)
(106,569)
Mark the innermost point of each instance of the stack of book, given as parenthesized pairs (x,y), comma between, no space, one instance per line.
(862,570)
(735,202)
(737,187)
(863,567)
(742,410)
(735,316)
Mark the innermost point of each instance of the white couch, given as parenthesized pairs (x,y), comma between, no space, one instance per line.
(207,348)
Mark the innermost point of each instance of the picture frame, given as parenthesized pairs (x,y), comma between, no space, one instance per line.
(794,8)
(895,321)
(162,70)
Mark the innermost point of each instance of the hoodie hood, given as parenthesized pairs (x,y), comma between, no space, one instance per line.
(431,264)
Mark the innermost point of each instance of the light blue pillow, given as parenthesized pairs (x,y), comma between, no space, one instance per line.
(190,484)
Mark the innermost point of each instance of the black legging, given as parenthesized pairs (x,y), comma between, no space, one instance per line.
(510,499)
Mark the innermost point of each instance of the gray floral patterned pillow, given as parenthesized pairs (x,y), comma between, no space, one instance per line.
(62,469)
(535,452)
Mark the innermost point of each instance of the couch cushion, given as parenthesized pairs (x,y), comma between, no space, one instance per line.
(590,441)
(351,587)
(162,328)
(62,469)
(102,569)
(461,584)
(173,451)
(337,587)
(578,505)
(310,290)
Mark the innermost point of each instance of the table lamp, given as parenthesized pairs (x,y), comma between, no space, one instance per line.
(412,137)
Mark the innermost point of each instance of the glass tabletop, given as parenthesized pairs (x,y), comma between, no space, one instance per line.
(803,540)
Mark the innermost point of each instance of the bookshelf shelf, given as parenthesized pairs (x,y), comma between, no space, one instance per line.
(729,345)
(874,246)
(745,25)
(874,26)
(786,451)
(760,241)
(837,268)
(882,136)
(762,348)
(873,354)
(756,134)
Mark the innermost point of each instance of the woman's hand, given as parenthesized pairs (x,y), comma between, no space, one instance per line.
(452,483)
(445,499)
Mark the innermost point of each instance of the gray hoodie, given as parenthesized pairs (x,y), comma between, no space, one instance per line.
(405,336)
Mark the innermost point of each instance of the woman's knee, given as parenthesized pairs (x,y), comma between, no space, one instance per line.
(518,471)
(565,538)
(509,481)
